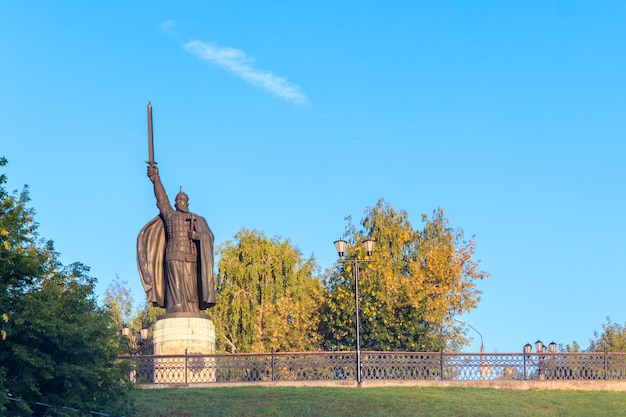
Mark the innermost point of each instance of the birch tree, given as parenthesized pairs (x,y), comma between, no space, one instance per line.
(267,296)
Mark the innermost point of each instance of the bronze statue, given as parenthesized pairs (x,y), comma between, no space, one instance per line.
(175,251)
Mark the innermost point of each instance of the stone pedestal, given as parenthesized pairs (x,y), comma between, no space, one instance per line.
(180,333)
(185,334)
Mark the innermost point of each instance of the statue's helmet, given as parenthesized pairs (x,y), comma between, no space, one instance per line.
(182,195)
(182,199)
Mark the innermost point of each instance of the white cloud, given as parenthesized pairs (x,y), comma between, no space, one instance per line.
(240,64)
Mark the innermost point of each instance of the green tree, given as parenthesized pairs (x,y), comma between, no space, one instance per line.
(119,299)
(145,318)
(62,348)
(611,339)
(58,345)
(574,347)
(419,281)
(267,296)
(23,258)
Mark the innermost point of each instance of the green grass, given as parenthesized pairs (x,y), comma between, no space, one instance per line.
(363,402)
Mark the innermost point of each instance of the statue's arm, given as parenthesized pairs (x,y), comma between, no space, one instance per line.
(163,202)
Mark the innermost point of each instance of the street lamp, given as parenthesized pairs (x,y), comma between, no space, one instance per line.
(482,346)
(483,369)
(368,244)
(141,340)
(541,348)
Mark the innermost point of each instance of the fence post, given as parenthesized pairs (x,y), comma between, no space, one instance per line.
(186,365)
(525,356)
(273,363)
(441,363)
(606,365)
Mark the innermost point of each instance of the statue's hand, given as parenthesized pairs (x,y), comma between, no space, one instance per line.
(153,172)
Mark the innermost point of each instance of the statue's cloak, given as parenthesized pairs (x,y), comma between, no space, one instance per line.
(151,262)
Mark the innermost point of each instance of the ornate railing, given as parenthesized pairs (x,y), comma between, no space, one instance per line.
(405,366)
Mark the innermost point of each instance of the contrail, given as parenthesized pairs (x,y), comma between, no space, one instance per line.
(240,64)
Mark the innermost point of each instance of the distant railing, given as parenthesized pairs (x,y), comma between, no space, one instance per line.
(381,366)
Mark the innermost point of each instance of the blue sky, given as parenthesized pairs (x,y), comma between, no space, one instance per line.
(287,117)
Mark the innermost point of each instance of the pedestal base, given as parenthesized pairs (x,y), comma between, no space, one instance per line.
(184,334)
(180,333)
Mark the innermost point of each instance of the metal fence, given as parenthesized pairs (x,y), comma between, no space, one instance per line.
(405,366)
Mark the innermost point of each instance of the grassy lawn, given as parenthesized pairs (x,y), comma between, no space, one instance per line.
(363,402)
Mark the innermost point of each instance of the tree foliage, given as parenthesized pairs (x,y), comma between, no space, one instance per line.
(419,281)
(58,346)
(573,348)
(119,299)
(23,256)
(267,296)
(611,339)
(145,317)
(62,346)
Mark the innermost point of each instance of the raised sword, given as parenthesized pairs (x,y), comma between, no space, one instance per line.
(150,160)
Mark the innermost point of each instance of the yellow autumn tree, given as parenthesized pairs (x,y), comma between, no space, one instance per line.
(419,281)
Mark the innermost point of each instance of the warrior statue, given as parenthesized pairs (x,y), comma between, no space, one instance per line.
(175,252)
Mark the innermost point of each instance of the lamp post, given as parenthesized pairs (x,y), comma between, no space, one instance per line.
(482,346)
(528,348)
(368,244)
(541,348)
(138,342)
(483,370)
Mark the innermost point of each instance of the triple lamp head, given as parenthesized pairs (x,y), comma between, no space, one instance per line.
(142,335)
(540,347)
(340,245)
